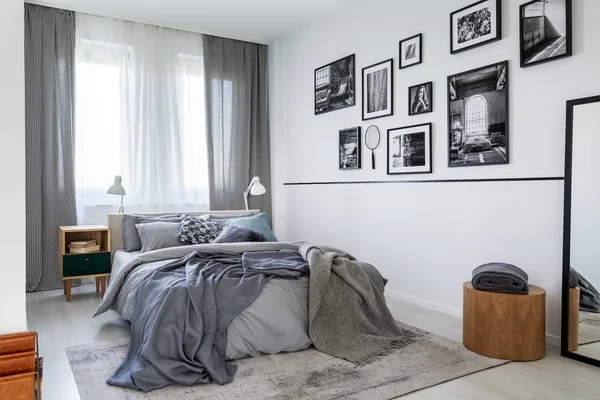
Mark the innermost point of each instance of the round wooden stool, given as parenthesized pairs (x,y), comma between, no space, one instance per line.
(505,326)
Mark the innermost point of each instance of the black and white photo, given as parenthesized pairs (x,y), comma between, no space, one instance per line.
(349,148)
(411,51)
(478,117)
(334,85)
(409,150)
(475,25)
(378,87)
(545,31)
(420,99)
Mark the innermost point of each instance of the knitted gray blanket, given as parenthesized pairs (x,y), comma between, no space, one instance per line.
(348,317)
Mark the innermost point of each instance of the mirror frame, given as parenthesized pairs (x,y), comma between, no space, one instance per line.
(564,349)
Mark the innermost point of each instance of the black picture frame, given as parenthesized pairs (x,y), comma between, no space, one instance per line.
(402,58)
(427,152)
(389,110)
(329,93)
(459,141)
(412,99)
(497,20)
(568,42)
(566,262)
(349,161)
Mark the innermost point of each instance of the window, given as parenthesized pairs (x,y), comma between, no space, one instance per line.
(97,120)
(537,9)
(476,116)
(322,76)
(143,119)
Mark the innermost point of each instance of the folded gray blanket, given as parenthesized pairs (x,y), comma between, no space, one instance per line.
(500,277)
(589,298)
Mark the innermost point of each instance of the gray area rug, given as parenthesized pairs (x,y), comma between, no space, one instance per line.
(427,361)
(589,327)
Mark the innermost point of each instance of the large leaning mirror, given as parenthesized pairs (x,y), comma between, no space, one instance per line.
(581,252)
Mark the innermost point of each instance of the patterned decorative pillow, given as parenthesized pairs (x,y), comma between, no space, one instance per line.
(199,231)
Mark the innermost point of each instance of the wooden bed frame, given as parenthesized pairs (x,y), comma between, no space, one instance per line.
(115,223)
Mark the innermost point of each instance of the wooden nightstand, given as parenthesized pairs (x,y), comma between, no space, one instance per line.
(87,265)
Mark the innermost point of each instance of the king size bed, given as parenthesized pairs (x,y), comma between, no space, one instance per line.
(194,307)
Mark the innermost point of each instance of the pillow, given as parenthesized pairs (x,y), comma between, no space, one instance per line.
(230,216)
(159,235)
(198,230)
(131,238)
(375,275)
(233,234)
(257,223)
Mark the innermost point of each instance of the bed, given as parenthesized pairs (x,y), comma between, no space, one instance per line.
(276,321)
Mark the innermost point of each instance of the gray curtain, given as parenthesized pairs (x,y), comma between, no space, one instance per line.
(50,180)
(237,121)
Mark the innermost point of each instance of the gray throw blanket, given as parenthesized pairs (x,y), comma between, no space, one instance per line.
(500,277)
(589,298)
(348,317)
(182,311)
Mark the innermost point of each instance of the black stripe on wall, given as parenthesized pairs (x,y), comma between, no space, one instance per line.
(526,179)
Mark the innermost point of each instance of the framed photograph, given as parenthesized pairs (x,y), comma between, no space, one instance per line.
(545,31)
(420,99)
(350,148)
(475,25)
(409,150)
(411,51)
(334,85)
(378,88)
(478,117)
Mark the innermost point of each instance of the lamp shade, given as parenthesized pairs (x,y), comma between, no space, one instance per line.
(117,188)
(257,189)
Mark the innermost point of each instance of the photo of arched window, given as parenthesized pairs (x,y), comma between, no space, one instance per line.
(476,116)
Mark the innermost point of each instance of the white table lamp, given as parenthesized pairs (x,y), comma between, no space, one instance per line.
(117,189)
(255,188)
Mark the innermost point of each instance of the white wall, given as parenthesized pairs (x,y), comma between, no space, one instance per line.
(585,210)
(427,238)
(12,168)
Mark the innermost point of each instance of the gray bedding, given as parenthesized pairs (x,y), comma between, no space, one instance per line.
(182,311)
(277,321)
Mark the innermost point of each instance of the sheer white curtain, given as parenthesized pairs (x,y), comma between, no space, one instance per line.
(140,113)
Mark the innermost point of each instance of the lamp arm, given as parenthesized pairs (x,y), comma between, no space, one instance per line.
(247,192)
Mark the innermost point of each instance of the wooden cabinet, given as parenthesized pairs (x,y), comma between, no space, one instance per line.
(76,265)
(20,367)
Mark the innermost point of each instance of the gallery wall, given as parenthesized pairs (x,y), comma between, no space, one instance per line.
(12,168)
(426,238)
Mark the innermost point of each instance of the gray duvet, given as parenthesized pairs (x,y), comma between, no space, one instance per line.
(182,312)
(277,321)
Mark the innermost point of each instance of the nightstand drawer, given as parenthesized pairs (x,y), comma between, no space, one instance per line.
(86,264)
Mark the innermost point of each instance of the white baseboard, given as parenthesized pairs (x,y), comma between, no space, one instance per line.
(552,340)
(456,312)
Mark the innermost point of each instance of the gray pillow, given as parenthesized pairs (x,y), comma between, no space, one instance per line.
(159,235)
(234,234)
(230,216)
(375,276)
(131,238)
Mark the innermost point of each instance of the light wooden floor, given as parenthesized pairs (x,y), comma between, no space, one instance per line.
(61,324)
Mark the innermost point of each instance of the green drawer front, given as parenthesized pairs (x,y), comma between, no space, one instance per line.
(86,264)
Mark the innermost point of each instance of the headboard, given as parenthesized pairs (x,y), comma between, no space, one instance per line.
(115,223)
